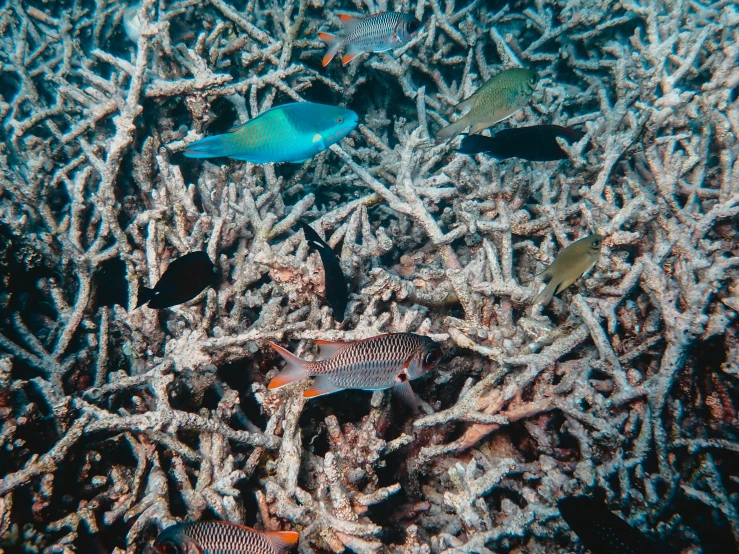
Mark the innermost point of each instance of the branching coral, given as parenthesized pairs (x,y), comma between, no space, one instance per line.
(118,422)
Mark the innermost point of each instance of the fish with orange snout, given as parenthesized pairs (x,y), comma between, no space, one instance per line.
(221,537)
(377,363)
(375,33)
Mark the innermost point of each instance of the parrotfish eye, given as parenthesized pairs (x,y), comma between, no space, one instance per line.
(339,120)
(167,547)
(533,80)
(432,357)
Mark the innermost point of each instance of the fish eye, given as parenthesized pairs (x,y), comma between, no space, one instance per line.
(432,357)
(413,26)
(596,243)
(533,80)
(167,547)
(339,120)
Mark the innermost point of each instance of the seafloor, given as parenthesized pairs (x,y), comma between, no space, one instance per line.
(117,423)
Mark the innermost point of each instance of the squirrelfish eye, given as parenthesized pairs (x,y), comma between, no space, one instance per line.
(432,357)
(167,547)
(339,120)
(413,26)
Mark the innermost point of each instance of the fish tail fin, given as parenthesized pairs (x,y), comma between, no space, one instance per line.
(212,147)
(145,294)
(475,144)
(321,385)
(282,540)
(334,43)
(293,371)
(545,296)
(452,130)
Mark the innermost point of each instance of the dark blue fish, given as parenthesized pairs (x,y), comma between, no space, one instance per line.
(337,290)
(537,143)
(184,279)
(110,283)
(603,532)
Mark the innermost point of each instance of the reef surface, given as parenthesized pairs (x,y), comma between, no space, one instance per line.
(117,423)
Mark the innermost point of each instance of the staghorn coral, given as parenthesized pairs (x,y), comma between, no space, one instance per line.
(117,423)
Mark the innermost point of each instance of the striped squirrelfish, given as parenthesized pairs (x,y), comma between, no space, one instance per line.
(375,33)
(578,258)
(376,363)
(288,133)
(497,99)
(221,537)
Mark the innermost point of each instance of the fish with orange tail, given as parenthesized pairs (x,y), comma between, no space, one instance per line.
(375,33)
(377,363)
(221,537)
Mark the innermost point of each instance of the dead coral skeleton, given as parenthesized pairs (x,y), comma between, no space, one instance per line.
(607,388)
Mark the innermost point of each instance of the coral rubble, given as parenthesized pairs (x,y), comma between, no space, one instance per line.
(118,423)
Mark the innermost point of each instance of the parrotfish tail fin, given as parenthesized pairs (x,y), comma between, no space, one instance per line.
(211,147)
(145,294)
(293,371)
(321,385)
(334,43)
(545,296)
(329,348)
(451,131)
(475,144)
(406,394)
(282,540)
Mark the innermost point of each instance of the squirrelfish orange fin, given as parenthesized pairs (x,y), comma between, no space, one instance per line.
(329,348)
(282,540)
(334,43)
(349,56)
(293,371)
(346,18)
(322,385)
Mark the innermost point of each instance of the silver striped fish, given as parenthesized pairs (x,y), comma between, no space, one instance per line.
(376,363)
(221,537)
(375,33)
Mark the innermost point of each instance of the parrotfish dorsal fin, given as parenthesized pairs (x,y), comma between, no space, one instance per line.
(329,348)
(282,540)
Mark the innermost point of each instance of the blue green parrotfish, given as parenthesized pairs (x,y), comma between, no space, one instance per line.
(287,133)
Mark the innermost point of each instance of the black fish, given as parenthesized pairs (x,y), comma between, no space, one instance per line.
(537,143)
(337,291)
(185,278)
(110,283)
(603,532)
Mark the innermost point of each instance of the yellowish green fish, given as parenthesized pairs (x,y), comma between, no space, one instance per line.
(497,99)
(288,133)
(578,258)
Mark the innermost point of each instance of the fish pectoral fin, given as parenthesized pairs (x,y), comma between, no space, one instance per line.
(293,371)
(405,393)
(478,127)
(318,140)
(467,104)
(321,385)
(329,348)
(566,283)
(282,540)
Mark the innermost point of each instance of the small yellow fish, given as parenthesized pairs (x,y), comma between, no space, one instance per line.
(497,99)
(578,258)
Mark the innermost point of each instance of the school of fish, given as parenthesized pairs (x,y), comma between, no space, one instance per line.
(295,133)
